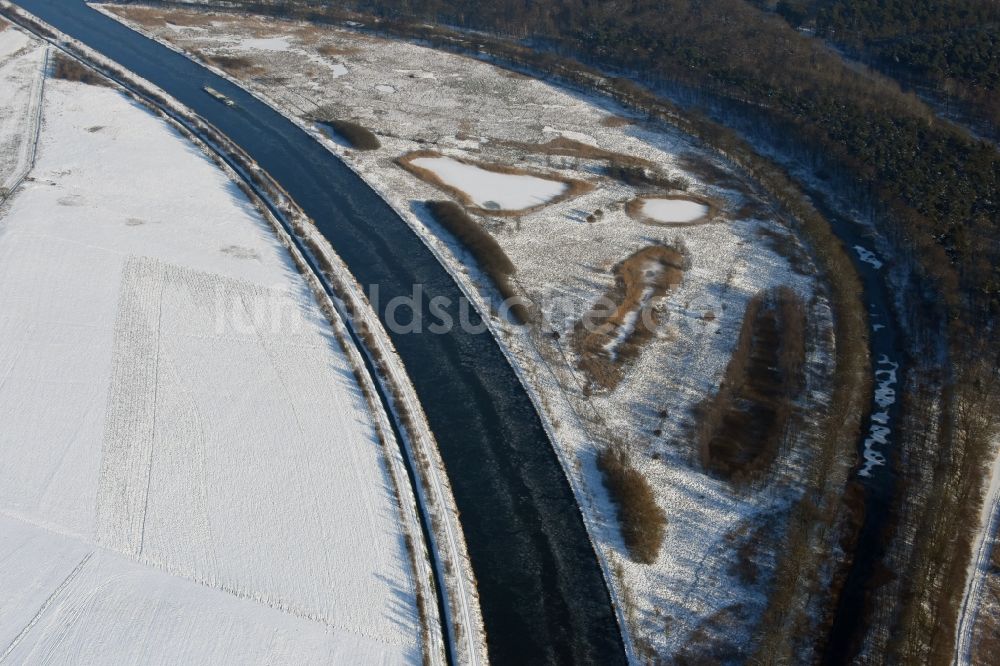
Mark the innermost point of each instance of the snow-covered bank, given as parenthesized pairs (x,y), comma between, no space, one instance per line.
(564,256)
(979,568)
(175,394)
(22,80)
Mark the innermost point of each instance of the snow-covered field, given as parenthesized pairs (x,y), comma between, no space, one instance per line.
(694,594)
(189,471)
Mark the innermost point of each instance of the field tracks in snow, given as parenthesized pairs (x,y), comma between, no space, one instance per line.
(45,606)
(131,414)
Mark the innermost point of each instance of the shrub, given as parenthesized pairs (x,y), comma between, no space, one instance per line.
(488,254)
(357,136)
(640,518)
(232,64)
(69,69)
(639,176)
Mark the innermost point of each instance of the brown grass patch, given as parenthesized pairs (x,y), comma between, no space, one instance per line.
(574,188)
(152,16)
(741,428)
(784,244)
(564,147)
(640,279)
(646,178)
(334,50)
(640,518)
(634,210)
(235,65)
(64,67)
(487,252)
(358,136)
(616,121)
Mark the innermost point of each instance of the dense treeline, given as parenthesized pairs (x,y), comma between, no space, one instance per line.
(952,46)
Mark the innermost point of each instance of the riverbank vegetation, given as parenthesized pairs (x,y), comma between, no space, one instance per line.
(356,135)
(491,258)
(66,68)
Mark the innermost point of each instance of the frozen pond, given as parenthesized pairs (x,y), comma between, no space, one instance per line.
(492,190)
(266,44)
(673,210)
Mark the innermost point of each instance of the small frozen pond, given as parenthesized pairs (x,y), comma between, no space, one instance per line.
(265,44)
(490,189)
(673,210)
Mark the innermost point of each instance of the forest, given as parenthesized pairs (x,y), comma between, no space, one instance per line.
(952,48)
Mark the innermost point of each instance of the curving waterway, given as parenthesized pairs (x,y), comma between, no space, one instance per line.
(877,473)
(541,590)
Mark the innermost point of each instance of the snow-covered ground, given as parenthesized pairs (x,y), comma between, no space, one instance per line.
(189,470)
(980,578)
(21,80)
(695,593)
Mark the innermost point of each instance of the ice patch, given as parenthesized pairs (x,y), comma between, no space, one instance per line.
(867,256)
(385,88)
(506,191)
(266,44)
(674,210)
(878,434)
(338,70)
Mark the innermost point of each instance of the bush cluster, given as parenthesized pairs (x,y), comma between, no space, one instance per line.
(488,254)
(641,519)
